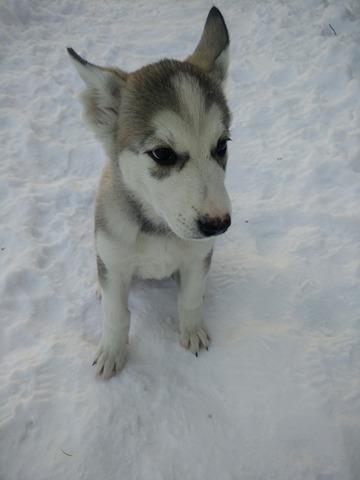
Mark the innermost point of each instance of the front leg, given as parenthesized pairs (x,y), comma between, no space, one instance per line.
(193,334)
(111,355)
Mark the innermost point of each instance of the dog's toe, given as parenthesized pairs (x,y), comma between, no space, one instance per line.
(194,343)
(108,362)
(195,340)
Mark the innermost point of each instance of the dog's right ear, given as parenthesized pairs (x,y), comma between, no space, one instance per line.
(101,99)
(212,52)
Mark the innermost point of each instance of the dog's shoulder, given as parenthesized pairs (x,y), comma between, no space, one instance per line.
(111,216)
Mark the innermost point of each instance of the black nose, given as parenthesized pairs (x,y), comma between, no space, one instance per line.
(214,226)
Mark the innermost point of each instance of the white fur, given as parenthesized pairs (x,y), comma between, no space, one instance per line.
(149,257)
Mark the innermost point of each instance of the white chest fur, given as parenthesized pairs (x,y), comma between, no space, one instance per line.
(156,257)
(150,256)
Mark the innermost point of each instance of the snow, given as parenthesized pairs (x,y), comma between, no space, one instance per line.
(278,394)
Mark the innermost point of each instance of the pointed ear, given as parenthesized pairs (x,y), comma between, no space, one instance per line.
(101,99)
(212,52)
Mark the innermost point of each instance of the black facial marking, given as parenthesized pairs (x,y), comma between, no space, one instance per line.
(183,159)
(102,270)
(146,225)
(160,172)
(219,153)
(176,277)
(221,160)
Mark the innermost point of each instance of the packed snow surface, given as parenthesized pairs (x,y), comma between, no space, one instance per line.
(278,394)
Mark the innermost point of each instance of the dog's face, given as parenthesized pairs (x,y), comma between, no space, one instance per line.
(166,126)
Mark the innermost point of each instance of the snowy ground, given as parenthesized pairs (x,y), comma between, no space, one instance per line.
(278,394)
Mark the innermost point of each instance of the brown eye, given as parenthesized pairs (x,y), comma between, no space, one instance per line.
(163,156)
(221,147)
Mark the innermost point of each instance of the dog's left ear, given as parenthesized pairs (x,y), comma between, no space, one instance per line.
(212,52)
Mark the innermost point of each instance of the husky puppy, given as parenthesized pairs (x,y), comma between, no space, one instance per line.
(161,199)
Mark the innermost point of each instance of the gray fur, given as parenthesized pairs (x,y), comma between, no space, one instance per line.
(136,98)
(102,270)
(211,52)
(177,278)
(101,100)
(106,193)
(160,172)
(150,90)
(100,219)
(101,112)
(138,215)
(207,261)
(114,195)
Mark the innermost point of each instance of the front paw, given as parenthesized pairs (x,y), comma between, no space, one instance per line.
(194,339)
(110,359)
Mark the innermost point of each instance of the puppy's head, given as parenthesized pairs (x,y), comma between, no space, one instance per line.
(166,127)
